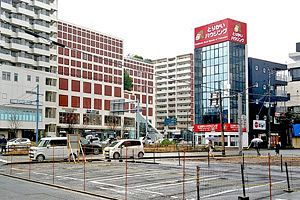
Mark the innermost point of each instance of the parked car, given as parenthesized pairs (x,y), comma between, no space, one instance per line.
(52,148)
(122,148)
(90,147)
(107,142)
(18,142)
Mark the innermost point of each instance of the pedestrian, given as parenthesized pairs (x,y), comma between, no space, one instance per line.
(4,143)
(256,146)
(211,148)
(277,148)
(1,144)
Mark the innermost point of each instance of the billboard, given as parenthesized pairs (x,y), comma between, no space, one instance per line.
(217,127)
(259,125)
(221,31)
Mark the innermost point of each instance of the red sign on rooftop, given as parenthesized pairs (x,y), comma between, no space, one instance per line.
(221,31)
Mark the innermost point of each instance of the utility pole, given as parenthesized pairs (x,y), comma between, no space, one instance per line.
(146,130)
(37,113)
(240,110)
(137,121)
(221,122)
(269,110)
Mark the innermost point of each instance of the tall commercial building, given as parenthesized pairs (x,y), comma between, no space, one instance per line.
(174,94)
(28,65)
(220,72)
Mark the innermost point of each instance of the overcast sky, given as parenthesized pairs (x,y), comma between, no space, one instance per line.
(165,28)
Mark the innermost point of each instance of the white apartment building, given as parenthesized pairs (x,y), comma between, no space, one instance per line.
(174,94)
(293,86)
(28,62)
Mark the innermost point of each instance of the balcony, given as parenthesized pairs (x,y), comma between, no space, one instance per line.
(26,11)
(40,51)
(19,21)
(29,61)
(44,17)
(41,5)
(41,28)
(6,57)
(43,63)
(6,6)
(19,47)
(25,36)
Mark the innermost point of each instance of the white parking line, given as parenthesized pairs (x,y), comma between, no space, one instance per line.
(249,188)
(1,160)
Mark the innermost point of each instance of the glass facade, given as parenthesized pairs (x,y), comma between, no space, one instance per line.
(219,67)
(8,114)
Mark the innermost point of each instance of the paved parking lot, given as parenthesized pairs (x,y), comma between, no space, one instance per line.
(164,180)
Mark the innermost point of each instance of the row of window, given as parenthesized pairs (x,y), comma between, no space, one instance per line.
(107,53)
(88,34)
(75,102)
(89,75)
(88,42)
(88,57)
(6,76)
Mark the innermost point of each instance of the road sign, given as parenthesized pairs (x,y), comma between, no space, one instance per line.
(170,121)
(117,106)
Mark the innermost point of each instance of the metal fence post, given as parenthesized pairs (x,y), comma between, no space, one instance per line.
(243,185)
(287,178)
(198,183)
(270,179)
(53,165)
(208,164)
(183,177)
(126,177)
(84,171)
(281,163)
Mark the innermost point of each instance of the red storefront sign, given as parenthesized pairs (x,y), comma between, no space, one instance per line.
(216,128)
(221,31)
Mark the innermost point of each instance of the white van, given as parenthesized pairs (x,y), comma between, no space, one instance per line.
(119,149)
(52,148)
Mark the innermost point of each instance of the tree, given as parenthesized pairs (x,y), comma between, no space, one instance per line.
(14,124)
(127,81)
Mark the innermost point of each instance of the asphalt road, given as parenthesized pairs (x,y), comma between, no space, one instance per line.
(14,189)
(166,179)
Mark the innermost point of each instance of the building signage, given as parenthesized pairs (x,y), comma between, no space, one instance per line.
(217,128)
(221,31)
(259,125)
(296,130)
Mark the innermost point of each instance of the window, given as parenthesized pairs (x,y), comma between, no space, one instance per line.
(16,77)
(6,76)
(37,79)
(256,67)
(264,70)
(28,77)
(264,86)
